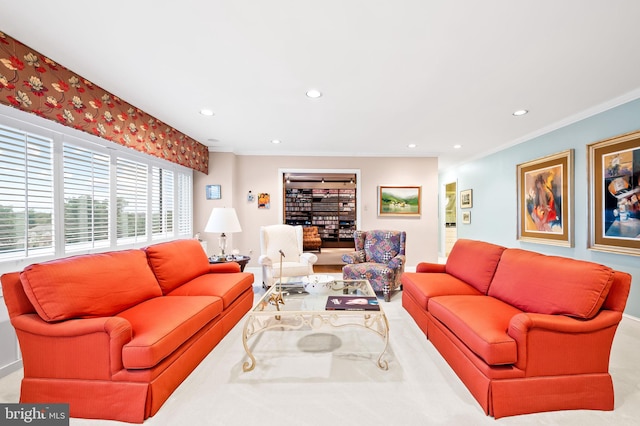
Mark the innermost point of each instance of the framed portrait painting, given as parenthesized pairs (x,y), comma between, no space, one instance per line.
(614,194)
(399,200)
(545,200)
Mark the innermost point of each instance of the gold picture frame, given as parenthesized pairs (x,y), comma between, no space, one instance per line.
(545,200)
(614,194)
(399,200)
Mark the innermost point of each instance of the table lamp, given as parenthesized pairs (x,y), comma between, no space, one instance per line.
(223,220)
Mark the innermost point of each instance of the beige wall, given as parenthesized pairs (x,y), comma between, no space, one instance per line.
(240,174)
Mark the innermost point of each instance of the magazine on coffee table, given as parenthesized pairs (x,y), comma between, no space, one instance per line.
(352,303)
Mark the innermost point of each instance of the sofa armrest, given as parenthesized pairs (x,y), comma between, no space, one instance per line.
(223,268)
(426,267)
(80,348)
(354,257)
(397,262)
(308,258)
(265,260)
(558,344)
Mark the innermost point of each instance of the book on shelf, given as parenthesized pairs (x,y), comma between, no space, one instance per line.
(352,303)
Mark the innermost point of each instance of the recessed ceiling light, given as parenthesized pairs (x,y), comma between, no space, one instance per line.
(313,93)
(206,112)
(411,145)
(457,146)
(520,112)
(275,141)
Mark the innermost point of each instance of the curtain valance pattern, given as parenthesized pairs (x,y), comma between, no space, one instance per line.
(34,83)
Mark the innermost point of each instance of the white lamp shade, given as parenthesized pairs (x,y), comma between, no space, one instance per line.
(223,220)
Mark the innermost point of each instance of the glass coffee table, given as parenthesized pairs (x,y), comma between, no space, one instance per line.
(311,303)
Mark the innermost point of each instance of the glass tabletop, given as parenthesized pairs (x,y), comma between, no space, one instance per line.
(304,295)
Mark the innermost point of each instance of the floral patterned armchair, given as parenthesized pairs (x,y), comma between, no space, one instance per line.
(379,258)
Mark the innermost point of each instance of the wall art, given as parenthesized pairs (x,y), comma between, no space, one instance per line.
(545,200)
(399,200)
(214,192)
(466,199)
(466,218)
(614,194)
(264,200)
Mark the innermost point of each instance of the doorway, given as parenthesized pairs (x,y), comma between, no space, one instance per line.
(450,216)
(325,198)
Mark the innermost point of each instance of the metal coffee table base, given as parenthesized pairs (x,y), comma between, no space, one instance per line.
(258,322)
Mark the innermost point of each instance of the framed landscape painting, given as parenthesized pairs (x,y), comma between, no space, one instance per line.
(545,200)
(399,200)
(614,194)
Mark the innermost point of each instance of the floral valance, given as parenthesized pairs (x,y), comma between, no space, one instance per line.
(34,83)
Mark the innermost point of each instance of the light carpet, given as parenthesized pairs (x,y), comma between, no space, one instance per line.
(329,376)
(331,256)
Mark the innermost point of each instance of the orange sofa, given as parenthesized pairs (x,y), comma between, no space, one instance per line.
(524,332)
(114,334)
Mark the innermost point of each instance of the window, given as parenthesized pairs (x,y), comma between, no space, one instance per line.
(161,202)
(26,185)
(185,205)
(61,193)
(86,198)
(131,190)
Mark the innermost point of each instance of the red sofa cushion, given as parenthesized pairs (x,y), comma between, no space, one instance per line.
(162,324)
(176,262)
(226,286)
(481,323)
(544,284)
(89,286)
(423,286)
(474,262)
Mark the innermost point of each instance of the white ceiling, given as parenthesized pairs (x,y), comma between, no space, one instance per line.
(431,72)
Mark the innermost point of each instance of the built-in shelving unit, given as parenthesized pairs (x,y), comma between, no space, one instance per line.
(331,206)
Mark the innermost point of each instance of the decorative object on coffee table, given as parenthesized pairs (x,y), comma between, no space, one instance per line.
(276,296)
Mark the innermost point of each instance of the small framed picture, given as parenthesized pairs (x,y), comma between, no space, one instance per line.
(264,200)
(466,199)
(213,192)
(466,218)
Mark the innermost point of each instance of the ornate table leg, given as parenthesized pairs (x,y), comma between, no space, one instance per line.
(246,333)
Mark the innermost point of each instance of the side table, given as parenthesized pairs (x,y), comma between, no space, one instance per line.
(241,260)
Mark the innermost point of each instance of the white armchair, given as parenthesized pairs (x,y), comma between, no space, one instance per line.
(288,239)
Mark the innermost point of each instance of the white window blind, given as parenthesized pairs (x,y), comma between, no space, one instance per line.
(86,198)
(26,185)
(185,205)
(162,205)
(62,194)
(132,193)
